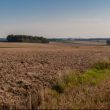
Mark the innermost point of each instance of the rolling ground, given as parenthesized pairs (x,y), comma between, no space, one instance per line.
(27,70)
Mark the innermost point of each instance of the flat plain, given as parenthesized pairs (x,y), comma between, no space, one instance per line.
(26,67)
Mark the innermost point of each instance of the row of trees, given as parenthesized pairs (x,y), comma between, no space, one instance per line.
(35,39)
(26,38)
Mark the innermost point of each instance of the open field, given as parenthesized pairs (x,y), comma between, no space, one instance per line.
(90,43)
(27,71)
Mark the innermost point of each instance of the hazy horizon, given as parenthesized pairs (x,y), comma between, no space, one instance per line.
(56,18)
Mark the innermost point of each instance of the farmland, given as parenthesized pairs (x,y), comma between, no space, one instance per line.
(28,73)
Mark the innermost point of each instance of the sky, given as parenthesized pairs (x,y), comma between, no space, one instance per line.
(55,18)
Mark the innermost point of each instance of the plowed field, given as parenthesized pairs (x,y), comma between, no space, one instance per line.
(26,66)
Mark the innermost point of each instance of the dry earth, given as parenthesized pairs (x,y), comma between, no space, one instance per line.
(27,66)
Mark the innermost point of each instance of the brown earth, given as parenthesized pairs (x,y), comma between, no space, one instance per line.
(27,67)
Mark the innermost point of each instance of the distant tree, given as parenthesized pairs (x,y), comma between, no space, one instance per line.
(108,42)
(26,38)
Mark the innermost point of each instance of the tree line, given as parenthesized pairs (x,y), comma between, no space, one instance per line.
(26,38)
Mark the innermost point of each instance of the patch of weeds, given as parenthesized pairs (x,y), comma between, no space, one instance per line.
(101,65)
(93,76)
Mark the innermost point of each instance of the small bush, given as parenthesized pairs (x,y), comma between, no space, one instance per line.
(108,42)
(58,88)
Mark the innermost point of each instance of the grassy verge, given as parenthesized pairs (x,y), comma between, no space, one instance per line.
(87,90)
(93,76)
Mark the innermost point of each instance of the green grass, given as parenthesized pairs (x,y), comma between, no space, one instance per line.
(93,76)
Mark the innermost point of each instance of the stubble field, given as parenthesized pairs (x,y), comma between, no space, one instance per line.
(28,70)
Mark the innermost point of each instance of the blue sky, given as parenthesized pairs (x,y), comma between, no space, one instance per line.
(55,18)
